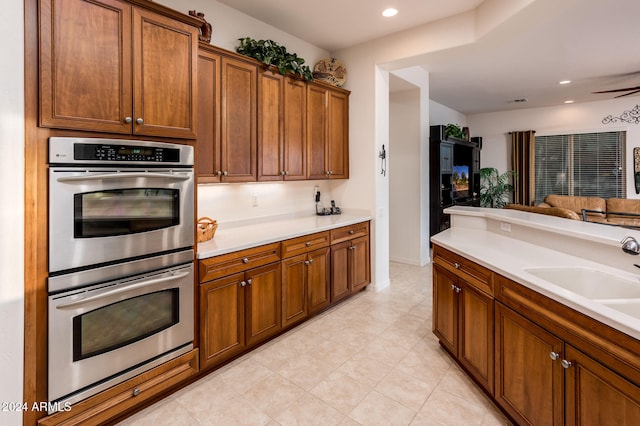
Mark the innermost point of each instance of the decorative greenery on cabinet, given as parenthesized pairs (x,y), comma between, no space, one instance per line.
(270,53)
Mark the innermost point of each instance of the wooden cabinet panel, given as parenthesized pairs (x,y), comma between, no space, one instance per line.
(294,289)
(295,128)
(263,303)
(103,68)
(529,384)
(226,264)
(477,275)
(164,91)
(318,275)
(108,405)
(317,118)
(304,244)
(340,271)
(338,132)
(596,395)
(222,319)
(238,121)
(359,263)
(445,308)
(86,65)
(208,142)
(350,232)
(270,126)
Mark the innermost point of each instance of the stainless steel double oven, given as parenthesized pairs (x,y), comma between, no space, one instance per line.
(121,274)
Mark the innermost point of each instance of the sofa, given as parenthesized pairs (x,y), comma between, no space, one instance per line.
(612,211)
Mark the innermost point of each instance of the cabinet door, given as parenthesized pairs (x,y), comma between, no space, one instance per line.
(338,135)
(295,146)
(208,143)
(596,395)
(270,126)
(359,263)
(317,132)
(445,308)
(294,289)
(446,157)
(318,288)
(238,121)
(263,302)
(85,65)
(164,99)
(340,271)
(221,319)
(475,347)
(529,384)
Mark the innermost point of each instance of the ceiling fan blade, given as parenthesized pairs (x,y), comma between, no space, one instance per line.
(630,93)
(619,90)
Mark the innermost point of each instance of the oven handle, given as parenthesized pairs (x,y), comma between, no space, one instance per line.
(124,175)
(122,290)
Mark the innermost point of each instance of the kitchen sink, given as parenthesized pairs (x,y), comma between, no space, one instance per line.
(591,283)
(626,306)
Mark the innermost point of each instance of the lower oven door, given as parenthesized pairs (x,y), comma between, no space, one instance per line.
(103,334)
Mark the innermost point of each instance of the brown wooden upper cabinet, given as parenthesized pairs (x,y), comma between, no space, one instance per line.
(108,66)
(282,106)
(227,117)
(327,133)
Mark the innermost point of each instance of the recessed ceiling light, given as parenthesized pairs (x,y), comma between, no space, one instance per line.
(387,13)
(569,102)
(565,82)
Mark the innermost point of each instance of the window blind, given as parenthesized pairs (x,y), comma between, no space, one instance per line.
(584,164)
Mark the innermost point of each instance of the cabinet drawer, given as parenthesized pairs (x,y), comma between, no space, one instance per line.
(117,400)
(227,264)
(304,244)
(476,275)
(349,232)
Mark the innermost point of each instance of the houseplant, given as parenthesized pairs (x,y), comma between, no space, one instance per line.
(495,187)
(271,53)
(454,130)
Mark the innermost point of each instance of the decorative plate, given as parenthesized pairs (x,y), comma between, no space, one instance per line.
(330,70)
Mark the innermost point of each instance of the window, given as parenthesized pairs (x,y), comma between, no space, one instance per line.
(585,164)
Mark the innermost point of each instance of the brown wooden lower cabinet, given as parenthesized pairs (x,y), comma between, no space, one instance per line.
(239,311)
(115,401)
(552,365)
(350,267)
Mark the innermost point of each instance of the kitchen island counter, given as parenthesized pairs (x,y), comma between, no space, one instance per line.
(234,236)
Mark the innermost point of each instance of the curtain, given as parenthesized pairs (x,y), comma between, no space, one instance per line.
(523,160)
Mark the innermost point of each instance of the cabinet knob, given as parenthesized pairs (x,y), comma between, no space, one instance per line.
(306,262)
(245,260)
(456,265)
(453,287)
(566,364)
(458,289)
(249,281)
(308,244)
(327,172)
(310,260)
(128,120)
(226,173)
(286,173)
(135,392)
(243,283)
(351,232)
(554,355)
(352,248)
(139,120)
(219,172)
(282,173)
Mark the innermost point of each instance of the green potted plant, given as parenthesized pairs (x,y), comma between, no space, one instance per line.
(495,187)
(454,130)
(271,53)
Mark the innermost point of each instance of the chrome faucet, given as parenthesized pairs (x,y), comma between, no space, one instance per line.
(630,246)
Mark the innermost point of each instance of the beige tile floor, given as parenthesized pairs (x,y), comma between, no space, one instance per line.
(371,360)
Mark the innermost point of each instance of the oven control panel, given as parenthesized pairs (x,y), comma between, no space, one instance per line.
(105,152)
(109,153)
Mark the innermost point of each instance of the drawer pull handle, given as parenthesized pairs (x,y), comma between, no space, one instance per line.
(308,244)
(135,392)
(456,265)
(245,260)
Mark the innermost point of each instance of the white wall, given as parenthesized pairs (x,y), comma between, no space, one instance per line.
(442,115)
(12,211)
(571,118)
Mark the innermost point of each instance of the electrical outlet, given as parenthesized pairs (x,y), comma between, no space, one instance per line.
(254,200)
(506,227)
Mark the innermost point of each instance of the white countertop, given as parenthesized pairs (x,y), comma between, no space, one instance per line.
(231,237)
(510,256)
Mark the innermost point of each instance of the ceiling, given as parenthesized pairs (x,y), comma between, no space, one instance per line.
(593,43)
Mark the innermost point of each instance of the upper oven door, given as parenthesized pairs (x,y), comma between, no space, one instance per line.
(105,215)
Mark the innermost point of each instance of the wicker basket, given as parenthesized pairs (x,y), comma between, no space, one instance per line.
(206,229)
